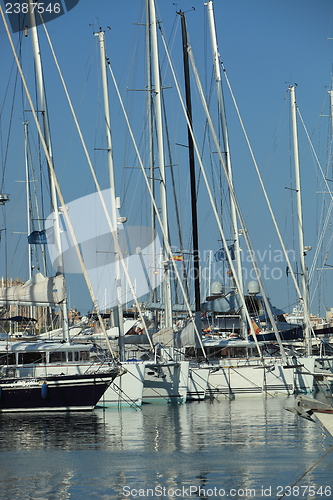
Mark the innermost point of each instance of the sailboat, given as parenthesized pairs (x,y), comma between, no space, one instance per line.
(313,364)
(165,378)
(38,375)
(129,390)
(41,375)
(304,368)
(234,369)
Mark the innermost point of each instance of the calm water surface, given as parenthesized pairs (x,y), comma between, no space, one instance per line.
(245,448)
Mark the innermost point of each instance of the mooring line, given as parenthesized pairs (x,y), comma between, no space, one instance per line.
(305,473)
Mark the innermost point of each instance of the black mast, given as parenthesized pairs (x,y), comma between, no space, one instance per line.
(196,259)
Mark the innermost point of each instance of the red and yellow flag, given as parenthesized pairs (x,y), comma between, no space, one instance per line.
(177,257)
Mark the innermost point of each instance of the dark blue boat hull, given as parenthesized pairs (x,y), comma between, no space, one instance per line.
(56,393)
(295,333)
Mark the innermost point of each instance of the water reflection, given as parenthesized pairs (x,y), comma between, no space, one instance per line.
(35,432)
(244,443)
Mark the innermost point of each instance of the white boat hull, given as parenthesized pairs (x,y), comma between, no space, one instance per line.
(197,383)
(250,379)
(326,419)
(127,390)
(165,382)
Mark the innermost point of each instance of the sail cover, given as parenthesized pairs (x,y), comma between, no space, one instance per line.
(187,337)
(38,291)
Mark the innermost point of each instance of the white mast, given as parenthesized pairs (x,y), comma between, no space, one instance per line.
(150,113)
(114,218)
(226,155)
(47,138)
(27,193)
(302,253)
(160,152)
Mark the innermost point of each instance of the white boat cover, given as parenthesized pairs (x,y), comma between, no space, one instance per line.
(187,337)
(39,290)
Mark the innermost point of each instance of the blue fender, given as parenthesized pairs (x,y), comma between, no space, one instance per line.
(44,390)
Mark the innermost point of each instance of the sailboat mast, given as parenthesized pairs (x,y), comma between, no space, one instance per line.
(27,194)
(195,238)
(160,153)
(47,137)
(304,271)
(150,113)
(222,114)
(114,220)
(226,149)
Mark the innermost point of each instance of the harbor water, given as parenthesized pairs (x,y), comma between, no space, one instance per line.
(242,448)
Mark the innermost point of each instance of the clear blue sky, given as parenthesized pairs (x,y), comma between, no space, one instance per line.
(265,46)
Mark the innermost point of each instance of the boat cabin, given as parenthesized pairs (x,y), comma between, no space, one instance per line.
(29,358)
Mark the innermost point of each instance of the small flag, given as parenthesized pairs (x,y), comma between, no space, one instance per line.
(222,254)
(177,257)
(37,238)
